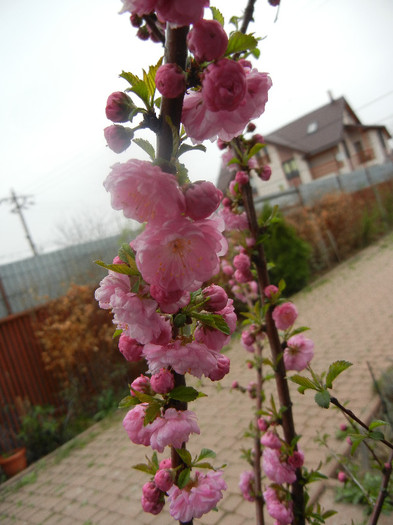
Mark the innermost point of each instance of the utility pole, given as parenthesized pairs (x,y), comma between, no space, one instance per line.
(20,203)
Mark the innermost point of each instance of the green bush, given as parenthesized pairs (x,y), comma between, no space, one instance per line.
(288,252)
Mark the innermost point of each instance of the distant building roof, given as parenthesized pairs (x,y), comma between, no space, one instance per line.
(316,131)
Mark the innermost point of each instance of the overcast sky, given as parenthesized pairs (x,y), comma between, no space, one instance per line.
(60,61)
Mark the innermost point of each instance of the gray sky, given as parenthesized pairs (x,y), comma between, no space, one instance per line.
(61,60)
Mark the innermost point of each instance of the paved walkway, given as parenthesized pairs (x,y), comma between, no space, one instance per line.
(90,480)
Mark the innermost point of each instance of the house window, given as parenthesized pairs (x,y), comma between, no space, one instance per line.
(290,169)
(312,127)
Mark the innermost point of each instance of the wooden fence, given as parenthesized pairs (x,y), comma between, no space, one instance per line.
(23,378)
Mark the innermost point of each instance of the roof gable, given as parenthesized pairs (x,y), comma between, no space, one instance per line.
(316,131)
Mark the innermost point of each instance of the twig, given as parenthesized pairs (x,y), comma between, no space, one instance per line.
(382,493)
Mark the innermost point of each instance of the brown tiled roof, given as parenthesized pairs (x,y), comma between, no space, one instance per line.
(328,124)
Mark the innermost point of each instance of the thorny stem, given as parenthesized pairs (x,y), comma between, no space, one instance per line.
(382,493)
(349,413)
(276,350)
(175,52)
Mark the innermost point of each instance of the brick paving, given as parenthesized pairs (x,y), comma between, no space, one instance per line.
(89,481)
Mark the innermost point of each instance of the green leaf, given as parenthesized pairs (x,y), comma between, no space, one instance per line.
(376,434)
(184,478)
(213,321)
(185,456)
(235,160)
(206,453)
(117,333)
(143,468)
(254,150)
(128,401)
(328,514)
(356,442)
(299,330)
(304,382)
(184,393)
(147,147)
(323,398)
(377,423)
(217,15)
(239,42)
(204,464)
(187,147)
(130,77)
(335,370)
(315,476)
(152,412)
(119,268)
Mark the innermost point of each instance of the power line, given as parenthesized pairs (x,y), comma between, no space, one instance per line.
(20,202)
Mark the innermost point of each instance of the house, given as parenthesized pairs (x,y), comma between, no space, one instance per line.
(329,141)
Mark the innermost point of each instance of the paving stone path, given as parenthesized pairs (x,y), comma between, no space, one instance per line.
(89,481)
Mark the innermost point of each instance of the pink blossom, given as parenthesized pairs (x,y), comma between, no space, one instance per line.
(242,262)
(201,123)
(285,315)
(297,459)
(118,107)
(108,287)
(153,507)
(130,348)
(265,173)
(217,296)
(169,302)
(144,192)
(194,358)
(243,276)
(180,255)
(222,368)
(178,13)
(173,428)
(298,353)
(248,339)
(207,40)
(215,339)
(343,427)
(275,469)
(227,269)
(170,80)
(202,199)
(140,384)
(163,478)
(282,511)
(263,424)
(224,85)
(341,476)
(138,318)
(165,463)
(139,7)
(271,291)
(201,496)
(242,177)
(152,498)
(234,221)
(271,440)
(247,485)
(162,382)
(118,137)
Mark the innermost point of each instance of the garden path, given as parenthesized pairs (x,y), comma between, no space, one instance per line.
(89,481)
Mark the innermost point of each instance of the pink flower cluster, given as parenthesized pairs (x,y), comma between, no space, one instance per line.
(175,12)
(232,94)
(281,510)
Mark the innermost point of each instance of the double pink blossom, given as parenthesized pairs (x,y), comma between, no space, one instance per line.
(278,509)
(176,12)
(170,80)
(144,192)
(247,485)
(276,468)
(172,428)
(207,40)
(298,353)
(199,497)
(284,315)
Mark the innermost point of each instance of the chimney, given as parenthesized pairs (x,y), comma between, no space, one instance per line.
(330,94)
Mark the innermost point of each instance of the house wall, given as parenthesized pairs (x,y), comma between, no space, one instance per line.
(326,163)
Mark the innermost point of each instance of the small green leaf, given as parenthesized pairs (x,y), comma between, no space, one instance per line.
(376,434)
(147,147)
(184,478)
(239,42)
(117,333)
(323,398)
(130,77)
(377,423)
(235,160)
(206,453)
(128,401)
(143,468)
(118,268)
(356,442)
(152,412)
(185,456)
(213,321)
(254,150)
(184,393)
(299,330)
(141,91)
(303,382)
(335,369)
(217,15)
(187,147)
(328,514)
(204,464)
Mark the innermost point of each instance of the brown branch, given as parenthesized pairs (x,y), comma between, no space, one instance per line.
(349,413)
(151,21)
(248,15)
(276,351)
(382,493)
(259,501)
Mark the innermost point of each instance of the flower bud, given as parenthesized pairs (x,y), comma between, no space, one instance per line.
(242,262)
(118,137)
(341,476)
(207,41)
(265,173)
(163,382)
(242,177)
(218,298)
(140,384)
(118,107)
(202,199)
(170,80)
(163,479)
